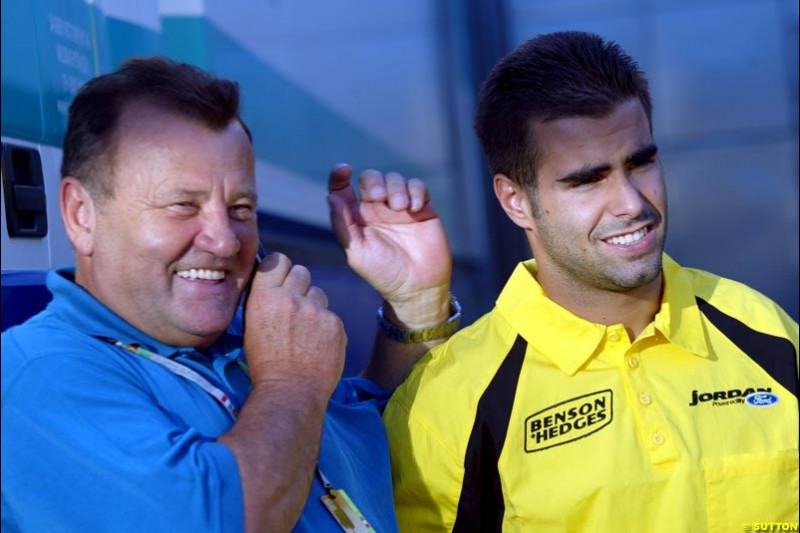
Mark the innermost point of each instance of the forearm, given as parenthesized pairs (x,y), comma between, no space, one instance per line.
(276,443)
(392,360)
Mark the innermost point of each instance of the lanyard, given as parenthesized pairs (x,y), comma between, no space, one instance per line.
(182,371)
(337,501)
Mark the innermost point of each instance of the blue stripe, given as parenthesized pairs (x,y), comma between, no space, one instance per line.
(291,128)
(126,39)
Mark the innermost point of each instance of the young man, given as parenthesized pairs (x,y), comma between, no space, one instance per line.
(128,404)
(610,389)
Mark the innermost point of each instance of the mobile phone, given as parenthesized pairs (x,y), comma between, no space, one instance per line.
(260,255)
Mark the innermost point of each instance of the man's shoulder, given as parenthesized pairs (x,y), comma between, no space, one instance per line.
(466,362)
(491,331)
(40,332)
(739,301)
(41,346)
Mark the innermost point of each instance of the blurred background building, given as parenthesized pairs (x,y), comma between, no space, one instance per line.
(392,85)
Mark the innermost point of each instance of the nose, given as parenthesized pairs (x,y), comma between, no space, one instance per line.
(218,236)
(627,200)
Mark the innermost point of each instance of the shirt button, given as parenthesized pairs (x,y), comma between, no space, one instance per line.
(645,399)
(613,336)
(633,362)
(658,438)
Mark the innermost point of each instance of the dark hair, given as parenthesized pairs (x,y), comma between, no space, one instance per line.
(556,75)
(157,81)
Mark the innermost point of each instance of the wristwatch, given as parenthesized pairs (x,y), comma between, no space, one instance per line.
(412,336)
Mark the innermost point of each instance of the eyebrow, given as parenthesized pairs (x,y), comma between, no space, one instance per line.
(589,171)
(247,194)
(199,194)
(642,154)
(583,174)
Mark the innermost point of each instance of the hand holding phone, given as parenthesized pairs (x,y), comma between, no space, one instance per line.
(290,333)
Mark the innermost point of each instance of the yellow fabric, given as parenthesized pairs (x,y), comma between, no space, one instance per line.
(643,458)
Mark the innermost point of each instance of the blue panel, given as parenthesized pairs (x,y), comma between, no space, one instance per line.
(49,49)
(720,68)
(291,128)
(24,294)
(632,33)
(66,41)
(733,211)
(21,108)
(184,39)
(570,11)
(129,40)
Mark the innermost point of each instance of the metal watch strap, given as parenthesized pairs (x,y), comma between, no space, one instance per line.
(411,336)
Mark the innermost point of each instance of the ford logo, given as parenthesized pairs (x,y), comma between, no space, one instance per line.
(761,399)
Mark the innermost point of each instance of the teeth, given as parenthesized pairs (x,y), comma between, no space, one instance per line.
(201,273)
(630,238)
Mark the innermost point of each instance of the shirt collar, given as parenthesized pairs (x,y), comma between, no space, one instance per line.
(679,318)
(76,306)
(569,341)
(564,338)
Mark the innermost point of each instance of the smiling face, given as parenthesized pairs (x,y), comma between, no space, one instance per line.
(172,250)
(598,218)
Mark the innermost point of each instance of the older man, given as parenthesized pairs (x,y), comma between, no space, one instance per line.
(135,401)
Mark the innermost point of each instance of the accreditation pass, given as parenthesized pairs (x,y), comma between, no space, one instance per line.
(345,512)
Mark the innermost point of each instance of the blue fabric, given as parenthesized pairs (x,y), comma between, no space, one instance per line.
(98,439)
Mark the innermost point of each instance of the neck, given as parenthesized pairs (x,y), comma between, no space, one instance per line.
(634,308)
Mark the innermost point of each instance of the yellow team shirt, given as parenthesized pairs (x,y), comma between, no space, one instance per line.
(533,419)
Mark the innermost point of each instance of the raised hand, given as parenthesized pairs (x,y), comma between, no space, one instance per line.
(394,239)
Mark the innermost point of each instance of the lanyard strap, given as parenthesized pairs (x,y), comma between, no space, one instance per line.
(337,501)
(182,371)
(326,483)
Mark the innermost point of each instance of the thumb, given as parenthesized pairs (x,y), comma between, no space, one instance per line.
(339,180)
(272,271)
(344,227)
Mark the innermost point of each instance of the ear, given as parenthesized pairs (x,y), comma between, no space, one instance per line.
(514,201)
(78,214)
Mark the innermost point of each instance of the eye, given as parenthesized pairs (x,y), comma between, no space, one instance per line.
(588,180)
(242,211)
(643,159)
(183,208)
(643,163)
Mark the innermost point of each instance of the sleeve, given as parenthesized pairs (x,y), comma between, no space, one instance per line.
(87,447)
(427,475)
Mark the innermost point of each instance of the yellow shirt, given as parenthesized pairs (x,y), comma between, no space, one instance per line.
(533,419)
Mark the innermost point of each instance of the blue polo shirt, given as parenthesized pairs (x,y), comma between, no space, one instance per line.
(96,438)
